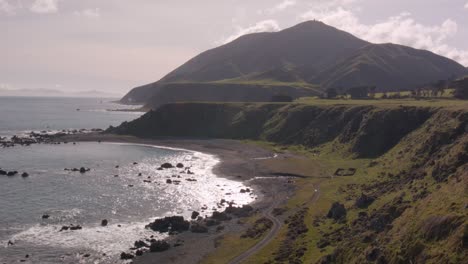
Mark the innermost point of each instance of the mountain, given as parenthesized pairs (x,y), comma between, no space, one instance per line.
(302,60)
(390,67)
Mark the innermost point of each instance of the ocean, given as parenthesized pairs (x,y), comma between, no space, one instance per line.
(123,185)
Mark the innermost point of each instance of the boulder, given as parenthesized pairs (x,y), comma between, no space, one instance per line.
(170,223)
(159,246)
(139,253)
(12,173)
(168,181)
(195,214)
(140,244)
(46,216)
(126,256)
(75,227)
(337,211)
(104,222)
(167,166)
(24,175)
(180,165)
(83,170)
(2,172)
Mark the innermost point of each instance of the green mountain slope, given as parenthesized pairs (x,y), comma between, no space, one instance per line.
(390,67)
(312,45)
(311,53)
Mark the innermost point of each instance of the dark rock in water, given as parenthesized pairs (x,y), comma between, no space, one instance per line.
(140,244)
(12,173)
(195,214)
(168,181)
(364,201)
(46,216)
(140,174)
(167,166)
(75,227)
(170,223)
(159,246)
(104,222)
(135,163)
(87,255)
(139,253)
(2,172)
(337,211)
(83,170)
(70,227)
(180,165)
(126,256)
(24,175)
(10,243)
(198,228)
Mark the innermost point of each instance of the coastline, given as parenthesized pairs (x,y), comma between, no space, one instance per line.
(239,162)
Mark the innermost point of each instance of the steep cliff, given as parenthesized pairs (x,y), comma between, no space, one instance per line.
(408,205)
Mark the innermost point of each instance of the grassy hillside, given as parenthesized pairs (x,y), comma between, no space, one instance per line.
(406,203)
(228,91)
(390,67)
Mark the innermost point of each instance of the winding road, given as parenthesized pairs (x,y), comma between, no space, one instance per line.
(273,231)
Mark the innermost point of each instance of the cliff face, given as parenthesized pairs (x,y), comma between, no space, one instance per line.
(417,178)
(366,130)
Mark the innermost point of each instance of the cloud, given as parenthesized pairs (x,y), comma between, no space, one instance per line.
(401,29)
(7,8)
(282,6)
(44,6)
(89,13)
(262,26)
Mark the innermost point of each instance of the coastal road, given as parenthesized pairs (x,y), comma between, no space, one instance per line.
(273,231)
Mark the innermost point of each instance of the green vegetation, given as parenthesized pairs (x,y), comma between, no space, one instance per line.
(406,203)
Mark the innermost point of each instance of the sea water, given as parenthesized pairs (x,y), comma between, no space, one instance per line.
(123,186)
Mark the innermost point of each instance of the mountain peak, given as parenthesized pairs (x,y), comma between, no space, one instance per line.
(311,25)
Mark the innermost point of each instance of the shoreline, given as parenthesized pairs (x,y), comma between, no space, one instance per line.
(238,162)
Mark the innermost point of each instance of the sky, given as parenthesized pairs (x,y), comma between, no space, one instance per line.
(115,45)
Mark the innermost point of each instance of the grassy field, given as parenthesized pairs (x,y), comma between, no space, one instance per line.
(446,103)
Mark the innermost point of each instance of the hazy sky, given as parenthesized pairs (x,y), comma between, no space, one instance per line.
(114,45)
